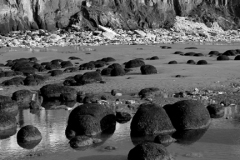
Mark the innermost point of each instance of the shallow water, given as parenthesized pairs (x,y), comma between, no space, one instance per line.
(220,141)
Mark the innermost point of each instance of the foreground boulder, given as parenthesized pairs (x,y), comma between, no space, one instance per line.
(188,114)
(8,125)
(149,151)
(151,119)
(28,137)
(9,107)
(90,119)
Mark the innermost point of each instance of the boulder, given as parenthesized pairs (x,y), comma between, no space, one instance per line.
(108,59)
(223,58)
(90,119)
(123,117)
(34,80)
(65,64)
(106,71)
(151,119)
(117,71)
(28,137)
(70,69)
(10,107)
(214,53)
(148,69)
(188,114)
(202,62)
(230,53)
(149,151)
(55,72)
(191,62)
(154,58)
(89,77)
(149,92)
(8,125)
(237,57)
(87,66)
(189,54)
(23,98)
(52,66)
(172,62)
(134,63)
(216,110)
(14,81)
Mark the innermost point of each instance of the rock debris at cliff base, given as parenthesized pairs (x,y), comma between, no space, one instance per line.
(184,30)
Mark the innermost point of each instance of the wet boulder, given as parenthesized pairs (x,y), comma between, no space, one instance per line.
(198,55)
(202,62)
(87,66)
(14,81)
(9,106)
(151,119)
(54,91)
(90,119)
(89,77)
(223,58)
(55,72)
(188,114)
(28,137)
(66,64)
(149,92)
(149,151)
(34,80)
(189,54)
(134,63)
(8,125)
(148,69)
(23,98)
(123,117)
(164,139)
(216,110)
(83,141)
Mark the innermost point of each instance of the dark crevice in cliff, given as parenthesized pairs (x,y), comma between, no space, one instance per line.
(35,10)
(177,7)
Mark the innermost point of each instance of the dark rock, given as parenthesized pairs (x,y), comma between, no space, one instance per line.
(148,69)
(56,72)
(23,98)
(223,58)
(83,141)
(110,148)
(117,71)
(123,117)
(172,62)
(8,125)
(188,137)
(202,62)
(149,92)
(9,107)
(90,98)
(230,53)
(191,48)
(29,137)
(5,98)
(189,54)
(52,91)
(215,110)
(99,64)
(237,57)
(26,70)
(33,59)
(34,80)
(14,81)
(90,119)
(178,52)
(68,97)
(74,58)
(154,58)
(108,59)
(71,69)
(165,47)
(65,64)
(9,73)
(134,63)
(149,151)
(164,139)
(56,61)
(151,119)
(191,62)
(106,71)
(89,77)
(45,63)
(198,55)
(214,53)
(69,82)
(188,114)
(53,66)
(87,66)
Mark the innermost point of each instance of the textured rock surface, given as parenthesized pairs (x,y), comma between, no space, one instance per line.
(52,14)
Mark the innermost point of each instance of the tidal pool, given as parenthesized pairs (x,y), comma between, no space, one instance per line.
(220,141)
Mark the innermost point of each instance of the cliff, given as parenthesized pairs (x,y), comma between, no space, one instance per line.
(126,14)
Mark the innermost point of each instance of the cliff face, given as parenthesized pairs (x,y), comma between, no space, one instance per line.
(127,14)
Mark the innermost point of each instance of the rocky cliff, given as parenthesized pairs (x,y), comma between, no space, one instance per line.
(126,14)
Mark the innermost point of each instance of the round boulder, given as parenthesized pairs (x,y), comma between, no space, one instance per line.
(149,151)
(172,62)
(90,119)
(214,53)
(14,81)
(8,125)
(118,71)
(202,62)
(237,57)
(65,64)
(216,110)
(148,69)
(223,58)
(230,53)
(89,77)
(23,98)
(28,137)
(106,71)
(151,119)
(9,107)
(191,62)
(34,80)
(56,72)
(188,114)
(134,63)
(123,117)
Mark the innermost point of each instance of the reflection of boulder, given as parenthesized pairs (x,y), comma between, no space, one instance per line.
(188,137)
(151,119)
(8,133)
(83,142)
(28,137)
(149,151)
(10,107)
(141,139)
(7,121)
(164,139)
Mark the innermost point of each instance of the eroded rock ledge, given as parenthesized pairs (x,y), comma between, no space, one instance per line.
(124,14)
